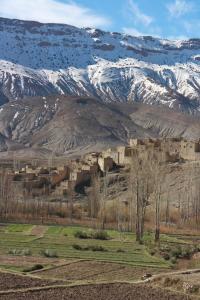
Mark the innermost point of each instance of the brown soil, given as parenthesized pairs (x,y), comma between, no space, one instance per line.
(101,292)
(97,271)
(39,230)
(13,281)
(26,261)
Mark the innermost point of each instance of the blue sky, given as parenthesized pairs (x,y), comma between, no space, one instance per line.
(176,19)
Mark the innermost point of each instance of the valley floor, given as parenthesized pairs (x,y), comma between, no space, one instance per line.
(44,262)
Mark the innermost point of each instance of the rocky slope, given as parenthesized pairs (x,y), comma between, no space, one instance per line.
(38,126)
(62,124)
(165,122)
(44,59)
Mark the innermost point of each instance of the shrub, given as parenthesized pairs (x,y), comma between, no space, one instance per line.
(197,248)
(186,253)
(26,252)
(165,248)
(14,252)
(173,260)
(97,235)
(97,248)
(100,235)
(20,252)
(81,235)
(89,248)
(177,252)
(33,268)
(152,252)
(49,253)
(78,247)
(120,250)
(183,252)
(166,256)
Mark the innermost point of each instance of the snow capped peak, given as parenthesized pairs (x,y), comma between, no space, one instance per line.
(42,59)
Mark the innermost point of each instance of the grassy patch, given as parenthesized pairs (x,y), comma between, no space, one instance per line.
(54,230)
(25,228)
(8,267)
(82,235)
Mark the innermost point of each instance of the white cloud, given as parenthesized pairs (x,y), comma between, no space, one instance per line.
(52,11)
(144,25)
(180,8)
(138,15)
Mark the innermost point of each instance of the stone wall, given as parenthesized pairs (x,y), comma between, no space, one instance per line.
(190,150)
(105,163)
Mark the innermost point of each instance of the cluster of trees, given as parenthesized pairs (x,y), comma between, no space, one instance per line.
(151,186)
(149,189)
(19,201)
(147,178)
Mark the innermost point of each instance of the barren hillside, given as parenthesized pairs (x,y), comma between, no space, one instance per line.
(75,125)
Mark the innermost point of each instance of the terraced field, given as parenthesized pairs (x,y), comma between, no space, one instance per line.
(84,271)
(87,268)
(10,281)
(14,238)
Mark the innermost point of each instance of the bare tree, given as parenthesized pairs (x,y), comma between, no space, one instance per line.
(157,212)
(71,196)
(94,195)
(159,171)
(103,198)
(140,182)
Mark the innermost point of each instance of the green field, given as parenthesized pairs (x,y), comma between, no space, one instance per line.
(19,228)
(121,248)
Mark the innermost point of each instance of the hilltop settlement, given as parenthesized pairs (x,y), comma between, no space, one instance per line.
(58,178)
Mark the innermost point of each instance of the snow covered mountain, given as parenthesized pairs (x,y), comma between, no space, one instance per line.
(44,59)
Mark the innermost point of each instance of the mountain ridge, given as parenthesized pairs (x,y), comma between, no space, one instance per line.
(44,59)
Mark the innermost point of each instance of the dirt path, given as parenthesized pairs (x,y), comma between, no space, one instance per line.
(39,231)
